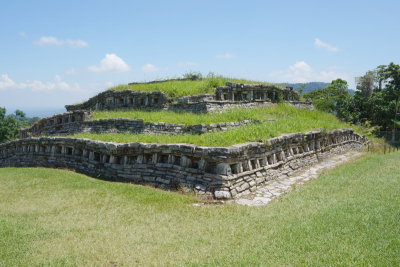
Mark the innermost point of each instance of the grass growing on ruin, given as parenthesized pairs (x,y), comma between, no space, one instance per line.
(186,87)
(191,118)
(348,217)
(289,120)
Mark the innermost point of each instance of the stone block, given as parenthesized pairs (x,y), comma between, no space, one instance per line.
(222,194)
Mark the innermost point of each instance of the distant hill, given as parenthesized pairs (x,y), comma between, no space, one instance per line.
(312,86)
(309,86)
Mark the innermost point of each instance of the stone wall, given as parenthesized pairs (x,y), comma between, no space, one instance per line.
(230,96)
(55,123)
(218,106)
(194,98)
(220,172)
(255,92)
(124,99)
(73,122)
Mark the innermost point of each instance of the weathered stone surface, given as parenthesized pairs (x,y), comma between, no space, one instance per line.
(230,96)
(122,99)
(208,169)
(282,185)
(76,122)
(222,195)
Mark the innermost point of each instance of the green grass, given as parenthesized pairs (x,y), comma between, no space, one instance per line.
(289,120)
(189,117)
(350,216)
(185,88)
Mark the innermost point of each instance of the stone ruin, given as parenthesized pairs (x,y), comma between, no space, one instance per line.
(125,99)
(232,95)
(80,122)
(215,172)
(257,92)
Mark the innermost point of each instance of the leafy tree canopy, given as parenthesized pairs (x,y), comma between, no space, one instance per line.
(328,99)
(9,124)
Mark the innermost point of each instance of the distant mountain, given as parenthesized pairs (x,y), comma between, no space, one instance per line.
(312,86)
(309,86)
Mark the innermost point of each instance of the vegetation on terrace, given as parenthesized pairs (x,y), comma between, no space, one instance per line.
(348,217)
(188,117)
(289,120)
(179,88)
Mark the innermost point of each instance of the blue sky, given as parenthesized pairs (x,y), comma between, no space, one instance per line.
(60,52)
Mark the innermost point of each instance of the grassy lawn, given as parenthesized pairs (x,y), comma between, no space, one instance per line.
(349,216)
(185,88)
(289,120)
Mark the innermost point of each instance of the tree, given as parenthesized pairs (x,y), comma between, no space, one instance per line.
(339,84)
(8,126)
(329,99)
(389,76)
(367,83)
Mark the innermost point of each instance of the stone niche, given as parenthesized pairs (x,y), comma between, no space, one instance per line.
(125,99)
(219,172)
(247,92)
(232,95)
(55,123)
(79,121)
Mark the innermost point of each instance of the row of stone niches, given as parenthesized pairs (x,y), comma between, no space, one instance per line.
(125,160)
(289,153)
(141,101)
(55,121)
(64,119)
(184,161)
(253,96)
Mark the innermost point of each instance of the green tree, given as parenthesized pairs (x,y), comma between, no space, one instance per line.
(330,99)
(367,83)
(8,126)
(389,76)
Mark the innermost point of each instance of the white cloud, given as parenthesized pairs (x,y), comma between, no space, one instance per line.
(71,71)
(226,56)
(6,82)
(301,72)
(150,68)
(22,34)
(57,84)
(111,62)
(329,47)
(187,64)
(76,43)
(49,40)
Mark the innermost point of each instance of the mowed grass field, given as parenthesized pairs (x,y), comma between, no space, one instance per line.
(348,216)
(288,120)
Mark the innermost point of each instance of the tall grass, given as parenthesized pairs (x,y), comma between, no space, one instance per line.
(185,88)
(192,118)
(289,120)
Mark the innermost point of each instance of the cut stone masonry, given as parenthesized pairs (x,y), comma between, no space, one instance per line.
(126,99)
(230,96)
(219,172)
(77,122)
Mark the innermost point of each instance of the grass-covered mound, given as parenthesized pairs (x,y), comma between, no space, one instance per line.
(179,88)
(289,120)
(348,217)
